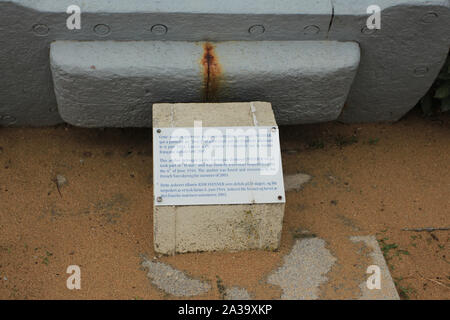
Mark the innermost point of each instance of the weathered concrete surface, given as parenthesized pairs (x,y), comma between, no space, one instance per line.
(173,281)
(295,182)
(215,228)
(114,84)
(388,290)
(304,270)
(398,62)
(179,229)
(303,273)
(236,293)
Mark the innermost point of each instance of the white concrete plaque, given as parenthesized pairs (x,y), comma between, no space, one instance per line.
(217,165)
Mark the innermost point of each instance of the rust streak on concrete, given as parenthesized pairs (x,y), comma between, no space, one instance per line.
(212,72)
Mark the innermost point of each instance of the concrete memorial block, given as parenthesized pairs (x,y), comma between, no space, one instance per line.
(237,210)
(398,63)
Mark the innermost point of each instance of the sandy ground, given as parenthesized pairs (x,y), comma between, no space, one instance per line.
(371,179)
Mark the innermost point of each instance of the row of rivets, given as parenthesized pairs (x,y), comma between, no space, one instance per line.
(160,29)
(100,29)
(258,29)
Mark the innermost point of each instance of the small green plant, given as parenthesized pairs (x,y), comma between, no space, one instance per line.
(302,234)
(342,141)
(386,247)
(220,287)
(438,97)
(45,259)
(405,292)
(316,144)
(373,141)
(400,251)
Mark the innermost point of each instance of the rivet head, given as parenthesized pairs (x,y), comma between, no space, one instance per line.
(41,29)
(158,130)
(365,30)
(256,30)
(159,199)
(274,129)
(312,29)
(421,71)
(280,198)
(159,29)
(8,119)
(430,17)
(102,29)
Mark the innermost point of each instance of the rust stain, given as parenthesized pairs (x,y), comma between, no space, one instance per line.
(211,73)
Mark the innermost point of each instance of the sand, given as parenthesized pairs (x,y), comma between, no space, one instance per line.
(368,179)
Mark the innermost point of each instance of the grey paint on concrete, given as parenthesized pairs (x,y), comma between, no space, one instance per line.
(304,270)
(177,6)
(305,267)
(236,293)
(173,281)
(388,290)
(398,62)
(295,182)
(114,84)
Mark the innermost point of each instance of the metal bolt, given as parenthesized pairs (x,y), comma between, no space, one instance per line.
(430,17)
(421,71)
(158,130)
(159,29)
(280,197)
(312,29)
(256,30)
(159,199)
(102,29)
(8,118)
(41,29)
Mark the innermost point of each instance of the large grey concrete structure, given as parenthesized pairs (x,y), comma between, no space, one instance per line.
(217,51)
